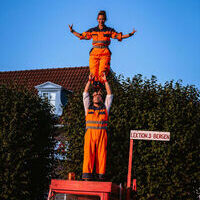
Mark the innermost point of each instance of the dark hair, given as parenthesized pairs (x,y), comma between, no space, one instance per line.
(102,12)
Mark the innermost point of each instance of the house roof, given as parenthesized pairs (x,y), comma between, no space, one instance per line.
(70,78)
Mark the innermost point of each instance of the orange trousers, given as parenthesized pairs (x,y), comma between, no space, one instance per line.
(99,63)
(95,151)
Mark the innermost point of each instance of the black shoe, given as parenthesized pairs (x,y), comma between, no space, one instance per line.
(88,179)
(101,177)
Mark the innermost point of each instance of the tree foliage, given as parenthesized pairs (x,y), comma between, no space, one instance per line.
(26,144)
(166,170)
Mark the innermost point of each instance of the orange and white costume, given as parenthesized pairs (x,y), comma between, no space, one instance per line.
(100,55)
(95,142)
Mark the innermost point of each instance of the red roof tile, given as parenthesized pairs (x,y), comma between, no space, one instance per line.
(71,78)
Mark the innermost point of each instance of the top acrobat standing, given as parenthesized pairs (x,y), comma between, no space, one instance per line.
(100,55)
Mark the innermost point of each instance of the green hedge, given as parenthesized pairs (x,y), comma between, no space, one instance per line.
(165,170)
(26,144)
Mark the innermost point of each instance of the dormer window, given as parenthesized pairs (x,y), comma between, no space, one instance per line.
(51,96)
(56,95)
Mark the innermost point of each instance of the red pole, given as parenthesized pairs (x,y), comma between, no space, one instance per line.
(128,194)
(134,185)
(130,164)
(50,194)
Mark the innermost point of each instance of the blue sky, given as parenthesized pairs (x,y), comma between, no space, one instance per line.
(34,34)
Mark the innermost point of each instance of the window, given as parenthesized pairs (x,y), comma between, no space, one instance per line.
(60,150)
(45,95)
(51,96)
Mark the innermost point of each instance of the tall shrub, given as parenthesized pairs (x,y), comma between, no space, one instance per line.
(26,144)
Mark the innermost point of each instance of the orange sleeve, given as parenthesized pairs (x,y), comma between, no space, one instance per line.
(116,35)
(86,36)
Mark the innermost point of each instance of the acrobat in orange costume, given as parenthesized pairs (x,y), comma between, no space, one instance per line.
(100,54)
(95,145)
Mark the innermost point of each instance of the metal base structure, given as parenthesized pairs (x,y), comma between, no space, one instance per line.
(83,190)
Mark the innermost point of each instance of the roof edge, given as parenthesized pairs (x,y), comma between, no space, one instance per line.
(41,69)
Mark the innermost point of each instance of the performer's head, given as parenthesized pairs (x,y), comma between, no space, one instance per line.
(97,97)
(101,18)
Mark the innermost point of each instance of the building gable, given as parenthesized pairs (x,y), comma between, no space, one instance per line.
(48,85)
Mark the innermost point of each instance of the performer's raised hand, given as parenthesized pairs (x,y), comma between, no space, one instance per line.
(91,78)
(133,31)
(107,86)
(71,28)
(104,77)
(129,34)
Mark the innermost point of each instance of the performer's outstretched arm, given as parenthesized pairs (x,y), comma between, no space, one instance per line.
(107,86)
(83,36)
(86,97)
(129,35)
(109,96)
(87,86)
(74,32)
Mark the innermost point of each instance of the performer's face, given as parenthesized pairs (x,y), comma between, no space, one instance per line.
(97,98)
(101,19)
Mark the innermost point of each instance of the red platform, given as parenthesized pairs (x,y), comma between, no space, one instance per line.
(82,190)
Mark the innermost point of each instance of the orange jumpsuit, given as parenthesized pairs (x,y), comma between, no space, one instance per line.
(100,55)
(95,144)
